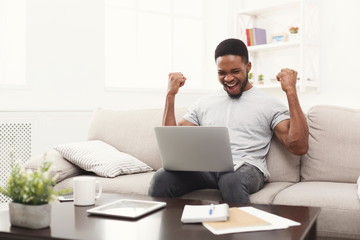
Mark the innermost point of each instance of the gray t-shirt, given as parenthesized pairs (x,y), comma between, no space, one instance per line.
(249,119)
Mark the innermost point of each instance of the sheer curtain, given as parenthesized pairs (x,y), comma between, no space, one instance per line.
(12,43)
(147,39)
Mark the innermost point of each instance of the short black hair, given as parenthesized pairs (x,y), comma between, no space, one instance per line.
(232,46)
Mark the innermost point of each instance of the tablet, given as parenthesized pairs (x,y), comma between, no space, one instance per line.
(127,208)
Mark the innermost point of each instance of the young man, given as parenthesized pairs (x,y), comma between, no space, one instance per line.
(251,117)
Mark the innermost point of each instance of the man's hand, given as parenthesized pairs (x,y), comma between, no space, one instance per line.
(287,77)
(176,81)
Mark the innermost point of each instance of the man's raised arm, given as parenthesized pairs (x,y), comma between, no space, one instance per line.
(293,133)
(176,81)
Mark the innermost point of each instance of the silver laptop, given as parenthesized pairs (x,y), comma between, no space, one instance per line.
(195,148)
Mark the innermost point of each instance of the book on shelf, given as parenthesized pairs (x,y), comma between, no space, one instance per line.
(255,36)
(248,40)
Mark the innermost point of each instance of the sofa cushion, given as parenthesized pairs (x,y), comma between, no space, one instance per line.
(130,131)
(60,168)
(131,184)
(283,166)
(268,193)
(101,158)
(334,142)
(340,206)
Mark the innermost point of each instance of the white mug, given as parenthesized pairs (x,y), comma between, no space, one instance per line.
(84,189)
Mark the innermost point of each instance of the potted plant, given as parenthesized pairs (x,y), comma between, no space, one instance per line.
(261,79)
(294,33)
(250,77)
(31,192)
(294,30)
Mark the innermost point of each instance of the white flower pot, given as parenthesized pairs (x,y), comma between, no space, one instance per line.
(30,216)
(293,37)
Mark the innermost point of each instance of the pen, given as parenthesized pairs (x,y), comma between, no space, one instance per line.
(212,207)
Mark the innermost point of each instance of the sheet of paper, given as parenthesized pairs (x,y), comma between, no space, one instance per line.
(246,219)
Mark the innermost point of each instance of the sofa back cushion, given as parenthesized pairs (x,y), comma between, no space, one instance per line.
(130,131)
(283,166)
(334,145)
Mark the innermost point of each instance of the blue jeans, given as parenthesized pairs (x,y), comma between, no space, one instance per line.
(234,186)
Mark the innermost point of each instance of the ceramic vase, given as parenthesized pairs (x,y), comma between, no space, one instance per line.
(293,37)
(30,216)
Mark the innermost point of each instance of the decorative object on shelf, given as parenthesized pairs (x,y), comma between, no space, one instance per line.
(294,33)
(250,77)
(31,192)
(261,79)
(278,38)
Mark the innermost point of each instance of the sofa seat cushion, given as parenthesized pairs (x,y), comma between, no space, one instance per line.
(130,184)
(264,196)
(268,193)
(340,206)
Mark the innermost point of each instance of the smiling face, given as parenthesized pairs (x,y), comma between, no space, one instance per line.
(233,74)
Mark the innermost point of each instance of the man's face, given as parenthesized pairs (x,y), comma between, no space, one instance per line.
(233,74)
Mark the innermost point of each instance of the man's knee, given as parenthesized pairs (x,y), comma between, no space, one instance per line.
(158,184)
(232,182)
(233,188)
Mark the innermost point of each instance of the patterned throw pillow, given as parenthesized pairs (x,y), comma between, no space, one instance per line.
(101,158)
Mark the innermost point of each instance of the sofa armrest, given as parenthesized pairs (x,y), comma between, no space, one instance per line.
(61,168)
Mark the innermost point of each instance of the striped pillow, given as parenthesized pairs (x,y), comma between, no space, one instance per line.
(101,158)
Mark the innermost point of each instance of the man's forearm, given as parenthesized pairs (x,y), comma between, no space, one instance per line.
(298,136)
(169,111)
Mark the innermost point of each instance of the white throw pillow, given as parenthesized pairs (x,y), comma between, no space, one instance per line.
(101,158)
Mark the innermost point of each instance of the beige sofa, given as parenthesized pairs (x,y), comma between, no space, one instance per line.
(325,177)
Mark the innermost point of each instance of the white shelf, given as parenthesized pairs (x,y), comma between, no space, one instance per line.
(268,85)
(273,46)
(277,7)
(271,85)
(312,84)
(301,54)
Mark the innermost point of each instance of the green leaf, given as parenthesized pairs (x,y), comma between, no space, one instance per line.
(31,187)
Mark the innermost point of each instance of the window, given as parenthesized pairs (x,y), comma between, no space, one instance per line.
(147,39)
(12,43)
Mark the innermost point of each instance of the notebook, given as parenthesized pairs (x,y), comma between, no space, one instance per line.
(205,213)
(184,148)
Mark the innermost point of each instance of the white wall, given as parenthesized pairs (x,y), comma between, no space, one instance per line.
(340,50)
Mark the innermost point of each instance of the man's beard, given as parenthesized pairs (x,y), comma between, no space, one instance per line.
(237,96)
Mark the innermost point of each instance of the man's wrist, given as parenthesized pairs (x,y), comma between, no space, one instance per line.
(291,91)
(170,95)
